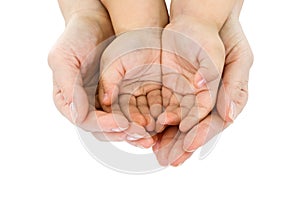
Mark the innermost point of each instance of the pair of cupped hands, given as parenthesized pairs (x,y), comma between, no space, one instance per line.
(171,88)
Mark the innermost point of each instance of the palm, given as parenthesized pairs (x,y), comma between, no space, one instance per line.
(185,54)
(82,45)
(133,76)
(175,147)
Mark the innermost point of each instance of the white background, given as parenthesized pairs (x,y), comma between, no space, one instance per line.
(41,156)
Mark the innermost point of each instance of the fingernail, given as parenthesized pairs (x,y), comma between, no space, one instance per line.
(232,111)
(134,137)
(190,150)
(118,130)
(105,97)
(178,165)
(74,113)
(140,146)
(201,83)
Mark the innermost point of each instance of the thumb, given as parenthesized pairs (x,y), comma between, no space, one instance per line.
(69,95)
(110,79)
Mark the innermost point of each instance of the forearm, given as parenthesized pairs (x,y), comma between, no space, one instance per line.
(134,14)
(214,12)
(81,7)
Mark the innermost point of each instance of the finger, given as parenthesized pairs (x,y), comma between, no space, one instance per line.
(69,95)
(129,108)
(177,152)
(165,144)
(172,113)
(137,135)
(202,107)
(110,80)
(171,117)
(116,137)
(166,96)
(157,139)
(206,75)
(181,159)
(203,132)
(154,99)
(144,109)
(98,121)
(233,93)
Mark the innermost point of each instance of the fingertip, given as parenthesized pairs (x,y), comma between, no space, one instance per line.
(231,114)
(109,122)
(181,160)
(162,119)
(159,127)
(195,138)
(225,106)
(120,121)
(169,118)
(105,99)
(150,127)
(187,124)
(79,106)
(184,127)
(139,119)
(155,110)
(199,81)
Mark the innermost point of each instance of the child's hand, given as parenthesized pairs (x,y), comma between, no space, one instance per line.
(174,147)
(192,62)
(130,81)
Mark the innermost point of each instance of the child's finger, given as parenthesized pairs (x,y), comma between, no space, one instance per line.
(110,80)
(171,115)
(144,109)
(129,108)
(166,96)
(154,99)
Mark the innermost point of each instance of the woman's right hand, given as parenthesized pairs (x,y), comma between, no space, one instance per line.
(74,61)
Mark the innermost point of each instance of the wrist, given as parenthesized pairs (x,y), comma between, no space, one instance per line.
(85,14)
(74,7)
(194,23)
(127,15)
(214,13)
(97,24)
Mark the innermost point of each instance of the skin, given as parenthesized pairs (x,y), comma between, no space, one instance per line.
(73,59)
(74,63)
(176,147)
(131,83)
(196,69)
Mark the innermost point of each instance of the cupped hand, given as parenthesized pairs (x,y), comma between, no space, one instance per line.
(176,147)
(130,82)
(74,61)
(192,62)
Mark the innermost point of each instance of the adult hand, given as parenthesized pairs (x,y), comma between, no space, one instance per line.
(74,61)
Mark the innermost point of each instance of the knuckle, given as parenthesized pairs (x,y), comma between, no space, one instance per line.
(239,91)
